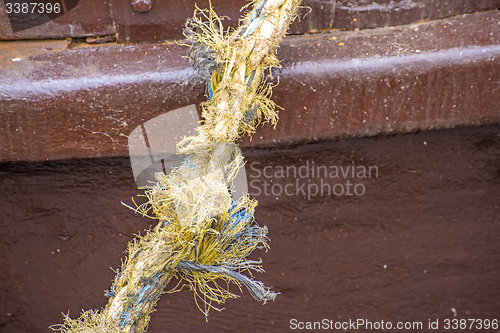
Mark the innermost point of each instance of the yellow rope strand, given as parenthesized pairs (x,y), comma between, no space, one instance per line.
(203,235)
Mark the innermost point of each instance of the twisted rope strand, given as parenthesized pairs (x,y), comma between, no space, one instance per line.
(203,235)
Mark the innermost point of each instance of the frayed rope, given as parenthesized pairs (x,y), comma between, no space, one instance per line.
(256,288)
(203,236)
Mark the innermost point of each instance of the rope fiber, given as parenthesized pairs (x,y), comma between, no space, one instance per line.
(203,235)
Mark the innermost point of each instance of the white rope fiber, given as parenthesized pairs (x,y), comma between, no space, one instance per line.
(203,236)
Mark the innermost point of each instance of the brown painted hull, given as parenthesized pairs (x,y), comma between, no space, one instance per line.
(422,241)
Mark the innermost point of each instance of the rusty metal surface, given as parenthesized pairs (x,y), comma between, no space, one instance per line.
(370,14)
(87,18)
(438,74)
(422,243)
(82,102)
(166,18)
(159,20)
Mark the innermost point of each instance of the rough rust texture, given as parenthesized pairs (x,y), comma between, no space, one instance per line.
(421,243)
(87,18)
(381,81)
(59,103)
(167,17)
(351,14)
